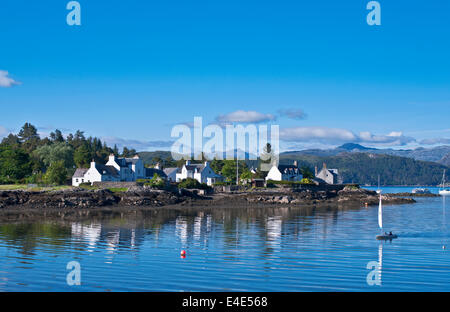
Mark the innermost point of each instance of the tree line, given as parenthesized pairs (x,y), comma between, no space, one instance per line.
(27,158)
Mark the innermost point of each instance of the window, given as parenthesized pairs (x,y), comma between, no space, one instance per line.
(76,180)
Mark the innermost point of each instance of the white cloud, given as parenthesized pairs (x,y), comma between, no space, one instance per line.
(394,139)
(5,81)
(337,136)
(292,113)
(245,117)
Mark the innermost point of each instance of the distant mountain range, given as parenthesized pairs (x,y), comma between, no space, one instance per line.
(440,154)
(360,164)
(364,168)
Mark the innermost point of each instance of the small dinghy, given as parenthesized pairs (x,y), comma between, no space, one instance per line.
(385,236)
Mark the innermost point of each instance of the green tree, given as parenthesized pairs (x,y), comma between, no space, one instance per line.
(116,150)
(29,137)
(14,163)
(246,174)
(57,136)
(56,152)
(82,156)
(307,172)
(190,183)
(156,182)
(56,173)
(11,140)
(217,165)
(229,169)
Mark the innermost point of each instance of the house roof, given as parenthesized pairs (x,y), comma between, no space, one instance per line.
(131,160)
(80,172)
(124,162)
(150,172)
(289,169)
(169,171)
(331,171)
(192,167)
(106,170)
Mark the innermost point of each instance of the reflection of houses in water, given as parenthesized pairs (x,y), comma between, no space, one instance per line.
(112,240)
(208,223)
(181,229)
(88,233)
(195,227)
(273,230)
(113,237)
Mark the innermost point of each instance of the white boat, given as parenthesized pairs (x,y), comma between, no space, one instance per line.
(385,236)
(444,191)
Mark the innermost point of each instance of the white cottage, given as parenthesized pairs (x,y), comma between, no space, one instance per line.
(115,170)
(129,169)
(285,173)
(203,173)
(96,173)
(329,176)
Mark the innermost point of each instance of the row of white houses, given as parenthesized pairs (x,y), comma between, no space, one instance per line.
(132,169)
(115,170)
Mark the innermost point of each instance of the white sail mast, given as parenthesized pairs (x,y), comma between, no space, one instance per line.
(380,213)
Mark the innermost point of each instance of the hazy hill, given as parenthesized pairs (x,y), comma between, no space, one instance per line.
(439,154)
(364,168)
(148,156)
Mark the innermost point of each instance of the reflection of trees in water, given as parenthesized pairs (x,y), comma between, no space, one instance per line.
(29,234)
(127,229)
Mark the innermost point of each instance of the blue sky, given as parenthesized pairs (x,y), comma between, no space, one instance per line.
(135,68)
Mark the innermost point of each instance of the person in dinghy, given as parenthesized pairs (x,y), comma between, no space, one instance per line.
(387,236)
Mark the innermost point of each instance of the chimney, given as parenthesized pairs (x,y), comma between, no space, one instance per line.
(92,164)
(206,163)
(112,157)
(295,163)
(188,162)
(316,171)
(324,166)
(158,166)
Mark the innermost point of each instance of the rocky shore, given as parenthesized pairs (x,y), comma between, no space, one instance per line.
(360,197)
(80,198)
(145,197)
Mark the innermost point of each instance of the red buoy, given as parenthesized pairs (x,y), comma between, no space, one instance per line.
(183,253)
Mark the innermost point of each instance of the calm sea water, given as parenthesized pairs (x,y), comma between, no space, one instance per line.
(288,249)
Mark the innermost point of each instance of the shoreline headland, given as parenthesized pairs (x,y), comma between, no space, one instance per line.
(77,198)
